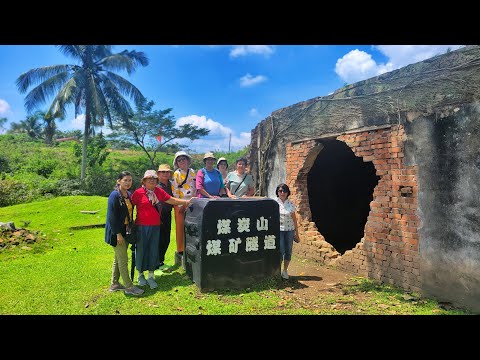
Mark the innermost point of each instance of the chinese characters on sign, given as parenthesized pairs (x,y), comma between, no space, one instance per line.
(249,243)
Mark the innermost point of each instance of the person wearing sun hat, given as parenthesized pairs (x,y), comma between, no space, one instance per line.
(222,166)
(209,180)
(164,173)
(148,198)
(183,188)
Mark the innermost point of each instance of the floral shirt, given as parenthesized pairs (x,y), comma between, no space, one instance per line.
(188,189)
(286,210)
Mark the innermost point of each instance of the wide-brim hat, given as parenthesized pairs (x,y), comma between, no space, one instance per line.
(222,159)
(150,174)
(164,167)
(209,155)
(181,153)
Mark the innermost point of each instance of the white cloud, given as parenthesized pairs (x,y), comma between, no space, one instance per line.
(4,107)
(78,123)
(401,55)
(358,65)
(243,50)
(202,121)
(253,112)
(249,80)
(218,138)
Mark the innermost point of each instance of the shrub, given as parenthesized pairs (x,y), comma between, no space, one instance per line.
(4,166)
(14,192)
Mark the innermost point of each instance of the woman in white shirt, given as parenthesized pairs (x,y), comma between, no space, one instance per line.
(288,226)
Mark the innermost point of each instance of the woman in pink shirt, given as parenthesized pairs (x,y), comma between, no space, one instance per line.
(148,200)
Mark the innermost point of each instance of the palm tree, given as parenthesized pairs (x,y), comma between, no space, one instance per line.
(92,85)
(30,126)
(3,121)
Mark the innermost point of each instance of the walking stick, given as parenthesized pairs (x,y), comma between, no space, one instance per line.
(132,269)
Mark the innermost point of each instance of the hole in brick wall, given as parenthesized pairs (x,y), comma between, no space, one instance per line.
(406,191)
(340,189)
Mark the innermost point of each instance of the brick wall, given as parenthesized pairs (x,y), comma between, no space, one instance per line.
(388,252)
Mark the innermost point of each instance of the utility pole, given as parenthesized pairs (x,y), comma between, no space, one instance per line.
(229,141)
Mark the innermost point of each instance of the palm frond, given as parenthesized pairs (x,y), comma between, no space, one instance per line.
(125,87)
(93,96)
(67,95)
(39,75)
(73,51)
(101,51)
(119,105)
(102,99)
(126,60)
(38,95)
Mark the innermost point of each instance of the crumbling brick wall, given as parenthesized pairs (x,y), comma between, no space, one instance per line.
(388,252)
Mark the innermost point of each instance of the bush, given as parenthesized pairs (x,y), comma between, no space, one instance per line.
(4,166)
(67,187)
(99,183)
(42,166)
(14,192)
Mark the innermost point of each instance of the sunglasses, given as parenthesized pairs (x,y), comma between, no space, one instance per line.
(282,191)
(163,172)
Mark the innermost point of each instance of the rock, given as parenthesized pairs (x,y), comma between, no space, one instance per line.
(8,225)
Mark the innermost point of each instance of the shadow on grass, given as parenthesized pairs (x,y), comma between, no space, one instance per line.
(166,280)
(272,283)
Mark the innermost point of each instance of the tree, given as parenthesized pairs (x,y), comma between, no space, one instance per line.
(3,121)
(91,86)
(154,130)
(31,126)
(49,126)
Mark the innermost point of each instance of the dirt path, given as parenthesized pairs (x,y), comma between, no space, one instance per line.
(317,287)
(325,290)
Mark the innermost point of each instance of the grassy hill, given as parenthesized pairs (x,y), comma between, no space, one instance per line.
(30,170)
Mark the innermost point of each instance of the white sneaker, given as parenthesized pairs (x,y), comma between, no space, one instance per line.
(285,274)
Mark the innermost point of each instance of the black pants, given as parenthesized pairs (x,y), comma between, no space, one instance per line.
(165,228)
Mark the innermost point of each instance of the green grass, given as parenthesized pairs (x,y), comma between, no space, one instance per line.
(69,271)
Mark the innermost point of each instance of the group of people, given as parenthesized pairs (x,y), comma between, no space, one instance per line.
(160,191)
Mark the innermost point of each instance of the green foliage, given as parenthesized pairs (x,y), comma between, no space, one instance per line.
(67,134)
(40,165)
(3,121)
(4,165)
(14,192)
(146,127)
(30,170)
(33,127)
(93,87)
(96,151)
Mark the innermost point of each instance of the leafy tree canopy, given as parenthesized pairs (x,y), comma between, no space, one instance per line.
(154,130)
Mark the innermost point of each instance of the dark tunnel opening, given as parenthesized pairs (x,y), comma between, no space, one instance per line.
(340,189)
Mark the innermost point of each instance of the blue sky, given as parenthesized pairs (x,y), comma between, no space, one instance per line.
(227,89)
